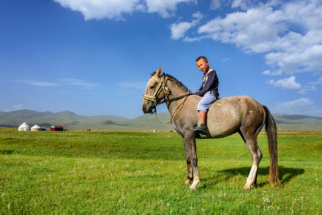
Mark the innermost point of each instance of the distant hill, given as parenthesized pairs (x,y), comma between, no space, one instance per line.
(297,122)
(72,121)
(68,119)
(295,117)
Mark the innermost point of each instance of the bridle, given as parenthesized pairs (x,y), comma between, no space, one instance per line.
(162,87)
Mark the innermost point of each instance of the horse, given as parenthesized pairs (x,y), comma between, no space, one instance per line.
(226,116)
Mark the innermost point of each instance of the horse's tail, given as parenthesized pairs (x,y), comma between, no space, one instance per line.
(271,131)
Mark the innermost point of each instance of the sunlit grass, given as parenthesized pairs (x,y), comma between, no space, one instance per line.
(142,173)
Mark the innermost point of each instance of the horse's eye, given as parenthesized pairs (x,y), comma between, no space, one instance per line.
(151,87)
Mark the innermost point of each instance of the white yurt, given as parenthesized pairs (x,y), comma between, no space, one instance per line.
(35,128)
(24,127)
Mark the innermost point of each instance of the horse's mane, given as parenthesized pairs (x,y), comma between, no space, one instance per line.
(181,85)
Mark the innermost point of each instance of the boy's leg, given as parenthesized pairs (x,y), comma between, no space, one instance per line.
(203,106)
(203,115)
(202,129)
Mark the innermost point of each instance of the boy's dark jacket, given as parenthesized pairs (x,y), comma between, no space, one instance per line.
(209,83)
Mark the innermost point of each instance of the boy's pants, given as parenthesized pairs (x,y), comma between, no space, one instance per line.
(206,101)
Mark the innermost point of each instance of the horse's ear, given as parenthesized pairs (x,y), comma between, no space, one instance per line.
(159,72)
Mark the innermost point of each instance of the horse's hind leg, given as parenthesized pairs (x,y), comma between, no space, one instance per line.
(256,154)
(187,149)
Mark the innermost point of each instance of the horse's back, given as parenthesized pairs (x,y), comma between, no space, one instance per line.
(226,115)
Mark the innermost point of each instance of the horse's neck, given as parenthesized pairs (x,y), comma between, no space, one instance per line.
(175,92)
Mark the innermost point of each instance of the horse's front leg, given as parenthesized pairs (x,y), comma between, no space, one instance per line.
(189,139)
(188,159)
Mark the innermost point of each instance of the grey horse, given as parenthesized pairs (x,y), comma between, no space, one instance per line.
(225,117)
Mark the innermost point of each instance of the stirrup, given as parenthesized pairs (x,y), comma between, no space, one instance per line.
(200,130)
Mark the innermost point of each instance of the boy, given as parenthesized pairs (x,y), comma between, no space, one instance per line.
(208,90)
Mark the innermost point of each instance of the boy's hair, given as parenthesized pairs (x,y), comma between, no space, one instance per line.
(202,58)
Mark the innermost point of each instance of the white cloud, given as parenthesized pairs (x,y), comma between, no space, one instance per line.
(305,60)
(288,83)
(197,15)
(302,106)
(243,4)
(37,83)
(215,4)
(272,28)
(226,59)
(115,9)
(69,81)
(78,82)
(165,8)
(178,30)
(63,92)
(313,88)
(317,82)
(268,72)
(128,84)
(99,9)
(218,4)
(187,39)
(249,30)
(16,107)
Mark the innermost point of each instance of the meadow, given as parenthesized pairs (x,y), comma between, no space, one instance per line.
(142,173)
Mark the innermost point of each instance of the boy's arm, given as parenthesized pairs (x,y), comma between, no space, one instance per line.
(198,90)
(211,79)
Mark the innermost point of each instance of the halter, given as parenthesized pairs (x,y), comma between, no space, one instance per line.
(163,87)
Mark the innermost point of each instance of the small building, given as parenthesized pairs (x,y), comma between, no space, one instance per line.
(35,128)
(24,127)
(56,128)
(42,129)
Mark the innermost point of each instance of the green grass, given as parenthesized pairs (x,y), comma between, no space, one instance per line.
(142,173)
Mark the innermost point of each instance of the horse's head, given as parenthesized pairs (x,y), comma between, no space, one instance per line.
(155,91)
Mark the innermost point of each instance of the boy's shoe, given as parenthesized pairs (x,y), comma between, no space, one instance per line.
(202,129)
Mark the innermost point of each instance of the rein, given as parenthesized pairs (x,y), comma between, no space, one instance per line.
(163,87)
(175,98)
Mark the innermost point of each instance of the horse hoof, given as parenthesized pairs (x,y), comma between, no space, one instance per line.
(186,182)
(248,187)
(194,185)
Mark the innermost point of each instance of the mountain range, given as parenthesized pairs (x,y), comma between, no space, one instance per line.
(72,121)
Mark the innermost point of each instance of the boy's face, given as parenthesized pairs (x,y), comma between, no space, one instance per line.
(202,65)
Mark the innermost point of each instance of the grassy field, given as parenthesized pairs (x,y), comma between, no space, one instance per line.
(142,173)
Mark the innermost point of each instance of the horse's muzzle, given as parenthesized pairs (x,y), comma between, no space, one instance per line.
(148,109)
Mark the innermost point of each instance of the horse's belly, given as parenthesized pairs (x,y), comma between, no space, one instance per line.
(223,120)
(219,129)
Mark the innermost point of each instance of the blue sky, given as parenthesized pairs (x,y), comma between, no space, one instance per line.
(95,57)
